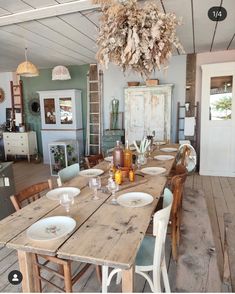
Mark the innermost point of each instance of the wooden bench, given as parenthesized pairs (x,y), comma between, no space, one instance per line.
(229,249)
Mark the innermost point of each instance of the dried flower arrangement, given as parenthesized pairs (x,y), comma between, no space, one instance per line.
(136,37)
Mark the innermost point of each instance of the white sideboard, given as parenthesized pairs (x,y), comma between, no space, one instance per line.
(20,144)
(61,118)
(148,109)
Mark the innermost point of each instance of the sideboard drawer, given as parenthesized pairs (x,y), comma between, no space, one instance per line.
(22,143)
(20,151)
(16,151)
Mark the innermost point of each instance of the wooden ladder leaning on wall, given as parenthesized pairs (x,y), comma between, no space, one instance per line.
(94,110)
(17,104)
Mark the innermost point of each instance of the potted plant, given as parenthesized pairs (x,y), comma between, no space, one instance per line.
(59,157)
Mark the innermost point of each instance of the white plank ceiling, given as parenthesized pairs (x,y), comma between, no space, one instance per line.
(64,31)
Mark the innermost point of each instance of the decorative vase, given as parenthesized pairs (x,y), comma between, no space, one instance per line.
(141,158)
(115,108)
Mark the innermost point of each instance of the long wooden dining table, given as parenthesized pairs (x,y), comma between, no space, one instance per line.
(105,234)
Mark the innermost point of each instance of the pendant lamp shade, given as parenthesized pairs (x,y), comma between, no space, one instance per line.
(27,68)
(60,72)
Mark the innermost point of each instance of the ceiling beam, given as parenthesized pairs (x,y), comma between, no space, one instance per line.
(45,12)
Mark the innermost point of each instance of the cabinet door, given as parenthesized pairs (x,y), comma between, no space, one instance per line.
(49,111)
(65,111)
(145,113)
(134,112)
(155,114)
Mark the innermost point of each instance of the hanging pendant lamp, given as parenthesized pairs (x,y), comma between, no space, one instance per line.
(27,68)
(60,72)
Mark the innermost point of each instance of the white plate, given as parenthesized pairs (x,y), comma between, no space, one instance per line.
(91,172)
(164,157)
(153,171)
(51,228)
(134,199)
(56,193)
(169,149)
(159,143)
(108,158)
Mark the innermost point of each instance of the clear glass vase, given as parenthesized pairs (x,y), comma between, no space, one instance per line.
(141,159)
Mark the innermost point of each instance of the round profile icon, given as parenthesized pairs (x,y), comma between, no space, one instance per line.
(15,277)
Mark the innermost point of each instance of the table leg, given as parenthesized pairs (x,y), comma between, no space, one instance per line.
(128,280)
(26,268)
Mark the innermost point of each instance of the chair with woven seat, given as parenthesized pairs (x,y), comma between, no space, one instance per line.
(151,255)
(93,160)
(68,173)
(177,187)
(27,196)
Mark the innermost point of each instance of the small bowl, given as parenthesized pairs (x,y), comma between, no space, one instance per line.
(133,84)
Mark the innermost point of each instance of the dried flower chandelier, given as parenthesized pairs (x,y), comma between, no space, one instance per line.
(136,37)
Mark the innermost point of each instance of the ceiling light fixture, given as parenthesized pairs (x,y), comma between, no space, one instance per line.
(27,68)
(60,72)
(136,37)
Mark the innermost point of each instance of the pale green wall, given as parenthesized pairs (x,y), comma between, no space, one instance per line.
(44,82)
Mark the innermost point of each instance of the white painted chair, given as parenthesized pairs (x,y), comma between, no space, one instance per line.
(151,255)
(68,173)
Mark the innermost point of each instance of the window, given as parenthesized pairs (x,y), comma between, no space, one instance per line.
(221,98)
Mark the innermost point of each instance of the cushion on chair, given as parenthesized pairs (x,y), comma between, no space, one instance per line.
(146,251)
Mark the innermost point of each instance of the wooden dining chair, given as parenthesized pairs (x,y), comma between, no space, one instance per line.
(68,173)
(187,157)
(93,160)
(177,187)
(30,194)
(63,270)
(151,255)
(178,169)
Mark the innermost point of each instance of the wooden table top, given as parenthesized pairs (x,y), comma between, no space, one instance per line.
(105,233)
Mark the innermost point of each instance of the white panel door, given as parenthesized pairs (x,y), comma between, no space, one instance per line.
(218,120)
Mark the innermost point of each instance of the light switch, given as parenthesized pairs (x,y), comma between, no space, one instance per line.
(7,182)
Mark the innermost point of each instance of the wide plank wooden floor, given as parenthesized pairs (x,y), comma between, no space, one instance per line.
(200,264)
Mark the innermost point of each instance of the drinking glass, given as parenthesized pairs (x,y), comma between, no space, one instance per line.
(95,184)
(66,200)
(113,187)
